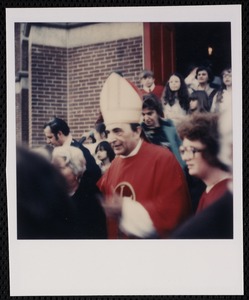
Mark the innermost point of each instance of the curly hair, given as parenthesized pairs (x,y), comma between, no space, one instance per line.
(204,128)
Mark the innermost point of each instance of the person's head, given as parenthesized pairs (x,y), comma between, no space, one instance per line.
(151,110)
(55,131)
(204,75)
(226,76)
(147,78)
(175,82)
(123,137)
(104,151)
(200,144)
(100,131)
(176,87)
(71,163)
(198,101)
(42,200)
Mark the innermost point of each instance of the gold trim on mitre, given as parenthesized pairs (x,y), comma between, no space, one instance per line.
(119,101)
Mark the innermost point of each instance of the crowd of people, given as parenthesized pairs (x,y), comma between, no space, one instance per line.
(152,167)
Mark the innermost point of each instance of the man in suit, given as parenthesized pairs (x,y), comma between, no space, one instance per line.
(57,133)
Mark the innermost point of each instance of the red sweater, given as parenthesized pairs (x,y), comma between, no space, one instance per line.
(214,194)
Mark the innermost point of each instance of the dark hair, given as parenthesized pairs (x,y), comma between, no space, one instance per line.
(204,128)
(151,101)
(208,70)
(42,201)
(143,135)
(223,86)
(104,145)
(182,94)
(101,129)
(202,98)
(57,125)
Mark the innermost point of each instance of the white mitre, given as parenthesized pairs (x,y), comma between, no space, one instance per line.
(120,102)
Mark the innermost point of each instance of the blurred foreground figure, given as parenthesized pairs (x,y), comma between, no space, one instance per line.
(210,160)
(146,195)
(42,201)
(88,217)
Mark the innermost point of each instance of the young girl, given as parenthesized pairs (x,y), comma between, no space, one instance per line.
(105,154)
(198,102)
(175,98)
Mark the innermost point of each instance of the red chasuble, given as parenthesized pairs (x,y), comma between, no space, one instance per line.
(154,178)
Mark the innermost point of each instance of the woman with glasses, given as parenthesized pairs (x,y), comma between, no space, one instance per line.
(200,150)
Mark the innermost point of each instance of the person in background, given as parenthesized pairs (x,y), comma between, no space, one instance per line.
(198,102)
(145,191)
(205,77)
(105,154)
(158,130)
(87,216)
(57,133)
(175,98)
(223,98)
(200,150)
(147,80)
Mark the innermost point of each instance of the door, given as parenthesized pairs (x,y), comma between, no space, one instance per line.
(159,50)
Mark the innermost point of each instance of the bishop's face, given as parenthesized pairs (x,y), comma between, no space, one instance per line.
(122,138)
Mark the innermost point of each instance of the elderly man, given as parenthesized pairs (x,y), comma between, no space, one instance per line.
(57,133)
(146,194)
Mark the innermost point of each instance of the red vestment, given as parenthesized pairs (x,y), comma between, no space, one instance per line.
(214,194)
(154,178)
(158,91)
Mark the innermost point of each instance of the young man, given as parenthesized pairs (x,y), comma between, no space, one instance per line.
(57,133)
(205,77)
(147,80)
(146,194)
(159,131)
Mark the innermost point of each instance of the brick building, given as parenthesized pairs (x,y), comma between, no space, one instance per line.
(61,67)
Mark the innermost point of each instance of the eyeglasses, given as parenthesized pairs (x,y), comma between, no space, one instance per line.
(190,150)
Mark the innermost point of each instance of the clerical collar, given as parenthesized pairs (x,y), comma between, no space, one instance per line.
(150,89)
(135,151)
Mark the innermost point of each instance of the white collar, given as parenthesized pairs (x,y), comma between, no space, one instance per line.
(134,151)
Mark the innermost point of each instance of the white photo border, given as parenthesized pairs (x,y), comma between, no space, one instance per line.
(128,267)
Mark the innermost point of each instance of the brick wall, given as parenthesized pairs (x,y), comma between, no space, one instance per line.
(67,82)
(89,66)
(49,88)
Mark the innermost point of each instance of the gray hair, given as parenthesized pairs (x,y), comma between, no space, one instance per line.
(73,157)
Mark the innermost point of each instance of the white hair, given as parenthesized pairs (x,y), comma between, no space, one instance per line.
(73,157)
